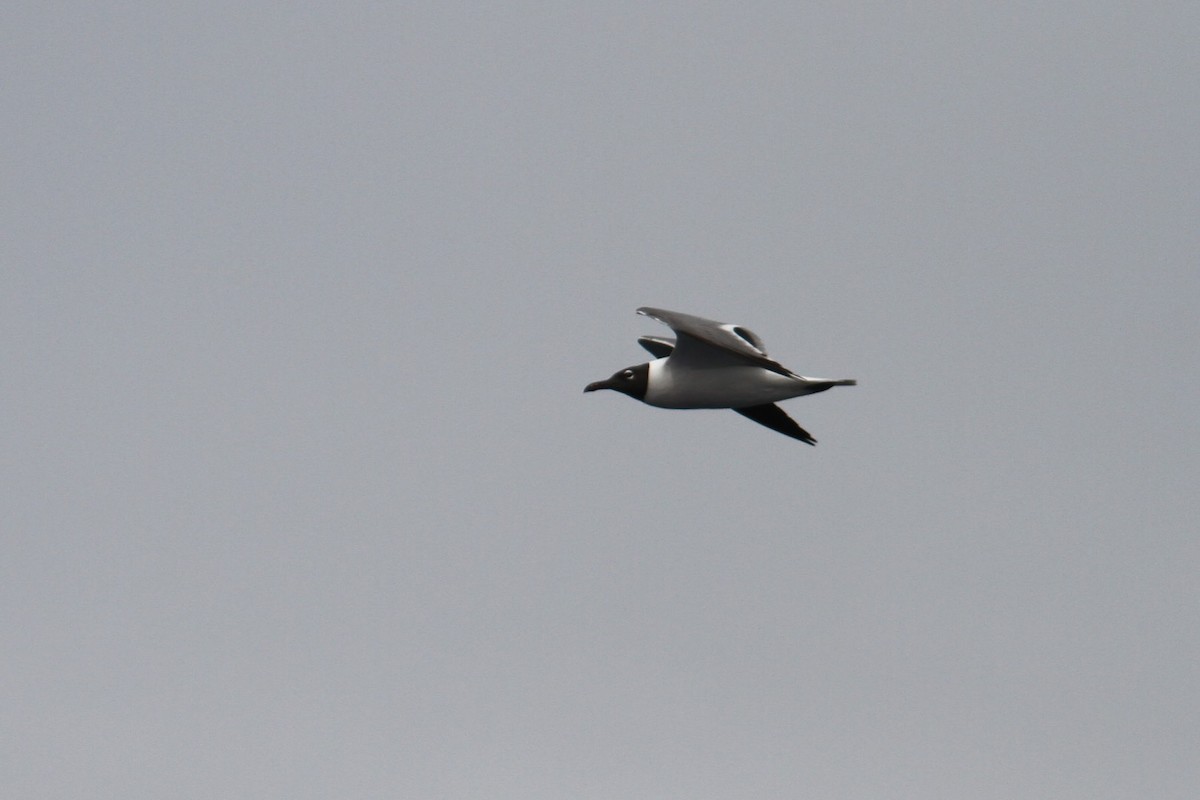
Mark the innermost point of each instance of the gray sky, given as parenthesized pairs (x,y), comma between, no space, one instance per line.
(303,499)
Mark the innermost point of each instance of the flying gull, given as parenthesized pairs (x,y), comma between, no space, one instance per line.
(715,365)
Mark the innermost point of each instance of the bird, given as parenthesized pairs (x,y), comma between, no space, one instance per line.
(713,364)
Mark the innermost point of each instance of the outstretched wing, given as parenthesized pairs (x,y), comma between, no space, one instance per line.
(775,418)
(659,346)
(705,342)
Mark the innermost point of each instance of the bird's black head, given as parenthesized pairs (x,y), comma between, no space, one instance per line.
(631,381)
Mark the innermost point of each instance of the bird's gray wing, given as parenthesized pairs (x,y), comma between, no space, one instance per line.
(659,346)
(775,418)
(705,342)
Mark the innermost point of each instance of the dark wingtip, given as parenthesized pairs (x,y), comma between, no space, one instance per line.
(772,416)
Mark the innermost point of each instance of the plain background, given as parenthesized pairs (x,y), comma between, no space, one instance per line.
(302,499)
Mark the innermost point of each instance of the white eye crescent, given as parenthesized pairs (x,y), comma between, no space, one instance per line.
(627,374)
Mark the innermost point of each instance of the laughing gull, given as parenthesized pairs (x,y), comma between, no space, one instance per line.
(715,365)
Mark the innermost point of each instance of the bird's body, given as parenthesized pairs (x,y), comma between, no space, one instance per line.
(715,365)
(727,386)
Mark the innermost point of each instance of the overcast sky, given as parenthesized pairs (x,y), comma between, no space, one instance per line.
(303,499)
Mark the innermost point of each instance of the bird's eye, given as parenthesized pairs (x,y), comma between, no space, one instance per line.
(627,374)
